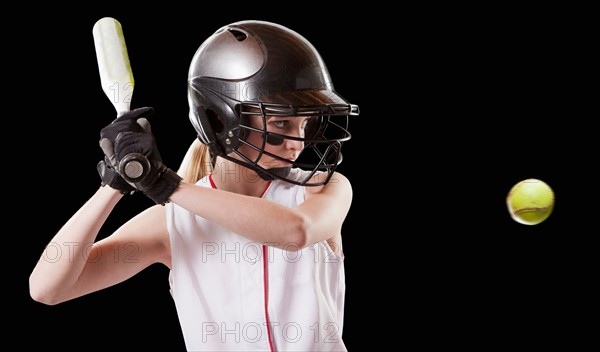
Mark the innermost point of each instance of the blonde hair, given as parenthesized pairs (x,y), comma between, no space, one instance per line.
(196,163)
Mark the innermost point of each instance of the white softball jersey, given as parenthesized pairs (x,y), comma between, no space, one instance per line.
(232,294)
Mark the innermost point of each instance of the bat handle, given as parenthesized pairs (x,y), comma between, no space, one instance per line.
(134,167)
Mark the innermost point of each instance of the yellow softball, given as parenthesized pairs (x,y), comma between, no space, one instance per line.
(530,201)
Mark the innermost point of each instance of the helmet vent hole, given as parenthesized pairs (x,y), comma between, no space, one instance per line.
(215,121)
(238,35)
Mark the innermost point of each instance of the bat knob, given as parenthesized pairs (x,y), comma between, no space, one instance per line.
(134,167)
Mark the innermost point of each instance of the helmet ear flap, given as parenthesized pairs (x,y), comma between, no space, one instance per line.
(212,120)
(204,127)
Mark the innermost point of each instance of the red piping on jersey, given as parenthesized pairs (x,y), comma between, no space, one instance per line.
(266,286)
(266,291)
(212,183)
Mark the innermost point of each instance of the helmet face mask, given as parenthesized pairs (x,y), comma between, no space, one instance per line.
(255,68)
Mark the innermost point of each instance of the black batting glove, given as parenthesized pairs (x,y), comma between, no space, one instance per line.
(111,177)
(140,163)
(131,121)
(108,167)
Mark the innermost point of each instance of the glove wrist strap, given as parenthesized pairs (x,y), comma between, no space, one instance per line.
(165,186)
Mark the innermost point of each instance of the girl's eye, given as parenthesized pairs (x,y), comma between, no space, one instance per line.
(280,124)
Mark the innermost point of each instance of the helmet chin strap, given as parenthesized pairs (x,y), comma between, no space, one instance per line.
(279,171)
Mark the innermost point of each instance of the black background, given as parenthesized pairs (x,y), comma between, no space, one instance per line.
(455,109)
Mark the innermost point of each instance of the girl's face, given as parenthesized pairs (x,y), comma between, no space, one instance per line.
(286,148)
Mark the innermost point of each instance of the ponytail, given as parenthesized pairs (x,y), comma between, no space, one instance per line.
(196,163)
